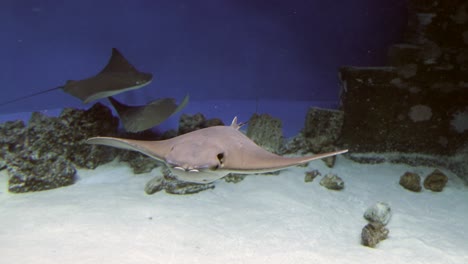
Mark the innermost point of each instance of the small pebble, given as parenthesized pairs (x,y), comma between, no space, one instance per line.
(154,185)
(411,181)
(310,175)
(332,182)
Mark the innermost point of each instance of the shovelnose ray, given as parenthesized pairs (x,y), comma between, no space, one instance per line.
(140,118)
(208,154)
(117,77)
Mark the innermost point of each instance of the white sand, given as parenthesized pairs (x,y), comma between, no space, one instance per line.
(107,218)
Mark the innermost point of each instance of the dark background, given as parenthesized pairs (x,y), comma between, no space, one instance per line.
(210,49)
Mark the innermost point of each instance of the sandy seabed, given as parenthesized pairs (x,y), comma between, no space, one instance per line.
(106,217)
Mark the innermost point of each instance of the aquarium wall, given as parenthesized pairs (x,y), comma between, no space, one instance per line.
(418,102)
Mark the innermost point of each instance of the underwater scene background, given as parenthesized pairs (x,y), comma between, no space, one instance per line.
(238,131)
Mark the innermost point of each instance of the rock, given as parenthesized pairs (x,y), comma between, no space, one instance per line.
(30,173)
(234,177)
(322,128)
(11,139)
(310,175)
(378,216)
(300,144)
(296,144)
(173,186)
(329,161)
(188,123)
(378,213)
(321,132)
(332,182)
(435,181)
(148,134)
(169,134)
(213,122)
(178,187)
(266,132)
(140,163)
(65,135)
(83,124)
(154,185)
(373,233)
(411,181)
(10,131)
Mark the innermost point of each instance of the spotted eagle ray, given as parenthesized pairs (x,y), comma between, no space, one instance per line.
(117,77)
(208,154)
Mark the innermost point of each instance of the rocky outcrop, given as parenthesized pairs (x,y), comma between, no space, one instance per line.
(43,154)
(322,129)
(266,131)
(11,136)
(29,173)
(138,162)
(189,123)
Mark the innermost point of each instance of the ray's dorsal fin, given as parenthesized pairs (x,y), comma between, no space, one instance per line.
(118,63)
(236,125)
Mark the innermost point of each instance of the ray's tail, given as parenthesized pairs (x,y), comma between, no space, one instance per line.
(30,95)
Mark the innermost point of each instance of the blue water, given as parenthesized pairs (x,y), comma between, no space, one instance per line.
(214,50)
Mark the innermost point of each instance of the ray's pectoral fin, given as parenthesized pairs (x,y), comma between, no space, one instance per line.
(154,149)
(143,117)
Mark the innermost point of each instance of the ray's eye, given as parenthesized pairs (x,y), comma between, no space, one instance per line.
(220,157)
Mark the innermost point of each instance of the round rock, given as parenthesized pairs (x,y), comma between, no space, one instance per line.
(378,213)
(435,181)
(411,181)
